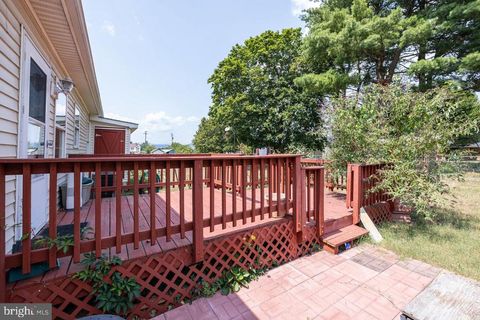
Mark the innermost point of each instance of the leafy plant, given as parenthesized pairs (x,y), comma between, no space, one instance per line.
(113,292)
(237,277)
(233,280)
(63,243)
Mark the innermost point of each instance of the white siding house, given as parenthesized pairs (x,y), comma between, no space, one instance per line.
(41,43)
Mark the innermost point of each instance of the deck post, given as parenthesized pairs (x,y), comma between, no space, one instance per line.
(197,211)
(357,192)
(348,201)
(298,220)
(321,202)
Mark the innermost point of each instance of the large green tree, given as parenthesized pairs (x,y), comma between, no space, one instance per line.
(352,43)
(411,130)
(255,97)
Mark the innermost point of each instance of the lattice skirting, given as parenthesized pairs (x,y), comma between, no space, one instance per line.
(379,212)
(167,278)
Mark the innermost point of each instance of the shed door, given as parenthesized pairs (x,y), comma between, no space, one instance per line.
(109,141)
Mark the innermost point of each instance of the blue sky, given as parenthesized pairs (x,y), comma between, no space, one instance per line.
(153,57)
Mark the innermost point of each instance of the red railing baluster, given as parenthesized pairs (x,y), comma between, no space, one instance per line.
(224,195)
(168,205)
(76,212)
(52,214)
(234,193)
(321,220)
(270,188)
(98,210)
(307,173)
(244,191)
(182,199)
(254,187)
(153,222)
(136,223)
(286,176)
(279,191)
(262,188)
(212,196)
(298,186)
(118,207)
(197,211)
(26,216)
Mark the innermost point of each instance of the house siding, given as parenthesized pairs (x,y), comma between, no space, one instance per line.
(83,148)
(10,44)
(10,71)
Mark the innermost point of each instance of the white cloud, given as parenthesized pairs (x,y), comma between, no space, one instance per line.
(161,121)
(109,28)
(136,19)
(117,116)
(158,123)
(299,5)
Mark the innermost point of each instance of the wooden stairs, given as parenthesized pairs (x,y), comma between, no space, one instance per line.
(342,238)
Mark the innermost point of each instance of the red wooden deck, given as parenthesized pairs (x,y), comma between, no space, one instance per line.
(335,209)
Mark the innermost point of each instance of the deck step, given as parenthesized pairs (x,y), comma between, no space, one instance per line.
(337,223)
(334,240)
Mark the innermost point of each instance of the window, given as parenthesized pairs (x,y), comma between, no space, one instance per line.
(36,112)
(59,142)
(60,106)
(36,140)
(60,112)
(38,92)
(76,136)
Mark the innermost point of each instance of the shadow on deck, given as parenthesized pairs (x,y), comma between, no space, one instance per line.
(335,211)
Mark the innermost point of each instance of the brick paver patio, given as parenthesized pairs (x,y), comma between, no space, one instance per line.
(365,282)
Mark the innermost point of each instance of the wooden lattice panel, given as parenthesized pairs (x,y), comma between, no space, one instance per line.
(168,278)
(379,212)
(311,242)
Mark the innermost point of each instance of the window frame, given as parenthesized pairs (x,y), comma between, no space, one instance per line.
(76,127)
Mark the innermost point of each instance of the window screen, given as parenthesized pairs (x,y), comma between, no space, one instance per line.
(38,92)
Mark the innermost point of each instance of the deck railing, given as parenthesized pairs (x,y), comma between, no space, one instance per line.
(362,180)
(171,192)
(333,180)
(313,197)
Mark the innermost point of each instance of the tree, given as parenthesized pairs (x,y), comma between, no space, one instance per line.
(255,97)
(453,50)
(181,148)
(411,130)
(352,43)
(210,137)
(147,147)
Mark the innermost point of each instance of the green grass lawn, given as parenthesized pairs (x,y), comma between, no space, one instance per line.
(453,241)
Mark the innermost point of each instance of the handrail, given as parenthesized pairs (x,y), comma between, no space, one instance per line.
(333,181)
(267,185)
(362,180)
(313,204)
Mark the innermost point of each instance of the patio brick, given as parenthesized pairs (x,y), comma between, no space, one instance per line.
(322,286)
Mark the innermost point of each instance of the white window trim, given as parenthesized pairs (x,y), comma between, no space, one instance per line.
(76,127)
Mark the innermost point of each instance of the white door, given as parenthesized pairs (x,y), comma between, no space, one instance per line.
(35,99)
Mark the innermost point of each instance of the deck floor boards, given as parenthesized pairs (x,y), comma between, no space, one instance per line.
(334,209)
